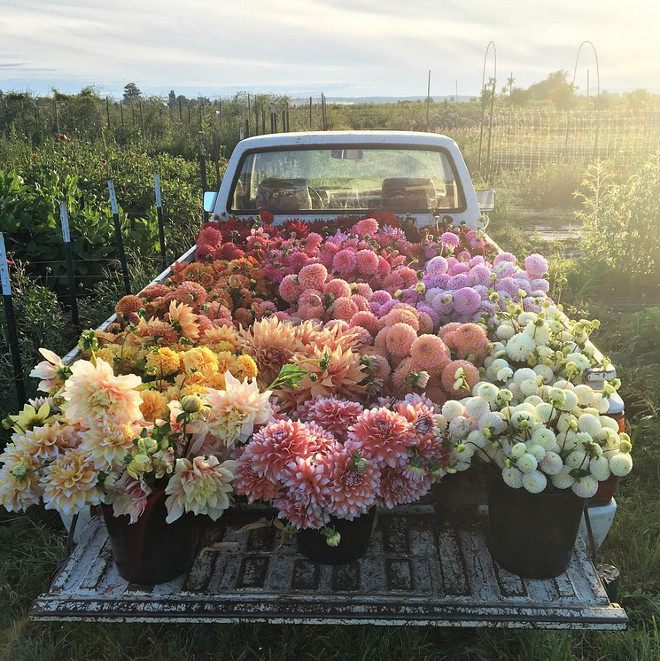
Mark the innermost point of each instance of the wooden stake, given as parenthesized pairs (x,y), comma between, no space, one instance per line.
(71,277)
(119,237)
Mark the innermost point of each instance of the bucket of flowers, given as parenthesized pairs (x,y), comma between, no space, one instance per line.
(549,447)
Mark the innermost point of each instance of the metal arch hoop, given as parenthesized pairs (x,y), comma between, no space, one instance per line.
(492,100)
(577,59)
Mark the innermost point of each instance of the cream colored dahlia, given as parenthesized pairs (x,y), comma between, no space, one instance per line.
(271,343)
(107,444)
(236,410)
(19,480)
(70,483)
(95,394)
(52,372)
(201,486)
(46,442)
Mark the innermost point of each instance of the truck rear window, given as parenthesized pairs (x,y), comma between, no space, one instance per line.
(348,178)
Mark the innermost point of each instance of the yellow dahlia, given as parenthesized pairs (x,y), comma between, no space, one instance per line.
(182,318)
(271,343)
(95,394)
(108,444)
(46,442)
(201,486)
(163,362)
(245,367)
(219,335)
(200,360)
(70,483)
(154,405)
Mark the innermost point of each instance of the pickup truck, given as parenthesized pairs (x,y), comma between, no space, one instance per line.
(424,566)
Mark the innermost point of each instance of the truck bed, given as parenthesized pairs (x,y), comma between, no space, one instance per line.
(420,569)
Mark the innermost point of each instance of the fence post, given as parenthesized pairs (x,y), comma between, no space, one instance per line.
(144,135)
(310,113)
(12,335)
(119,237)
(202,169)
(273,118)
(71,277)
(161,227)
(107,110)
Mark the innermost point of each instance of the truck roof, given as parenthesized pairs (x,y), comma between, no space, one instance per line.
(346,137)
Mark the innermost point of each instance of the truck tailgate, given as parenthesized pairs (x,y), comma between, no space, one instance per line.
(419,570)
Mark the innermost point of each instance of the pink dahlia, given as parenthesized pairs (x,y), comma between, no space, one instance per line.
(536,266)
(397,487)
(469,378)
(290,288)
(364,289)
(301,512)
(429,353)
(313,276)
(249,483)
(437,266)
(400,339)
(466,301)
(450,240)
(367,262)
(332,414)
(382,436)
(345,261)
(366,320)
(276,445)
(354,488)
(337,288)
(469,340)
(365,227)
(343,308)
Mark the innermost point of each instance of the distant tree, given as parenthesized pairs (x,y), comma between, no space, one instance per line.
(171,98)
(131,92)
(556,89)
(640,98)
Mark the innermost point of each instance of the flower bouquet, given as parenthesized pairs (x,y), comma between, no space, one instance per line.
(551,450)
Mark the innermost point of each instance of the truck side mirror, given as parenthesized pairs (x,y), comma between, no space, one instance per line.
(486,200)
(210,197)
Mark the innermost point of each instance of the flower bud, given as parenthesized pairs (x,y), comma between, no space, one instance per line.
(191,403)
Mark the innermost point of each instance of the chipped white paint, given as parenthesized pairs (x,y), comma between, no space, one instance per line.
(418,571)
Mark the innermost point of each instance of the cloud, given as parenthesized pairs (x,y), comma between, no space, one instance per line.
(355,47)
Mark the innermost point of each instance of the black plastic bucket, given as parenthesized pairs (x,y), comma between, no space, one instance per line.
(151,551)
(355,536)
(533,535)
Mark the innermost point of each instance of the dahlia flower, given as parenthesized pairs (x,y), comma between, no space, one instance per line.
(236,410)
(52,372)
(95,394)
(353,488)
(397,488)
(127,495)
(19,481)
(69,483)
(381,435)
(182,318)
(332,414)
(107,444)
(200,486)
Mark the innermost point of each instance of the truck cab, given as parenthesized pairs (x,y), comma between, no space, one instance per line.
(322,175)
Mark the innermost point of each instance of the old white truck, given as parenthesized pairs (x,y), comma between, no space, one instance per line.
(423,567)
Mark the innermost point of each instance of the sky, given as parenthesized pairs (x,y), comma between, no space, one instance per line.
(305,47)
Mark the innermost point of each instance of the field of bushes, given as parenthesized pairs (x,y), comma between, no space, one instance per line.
(611,272)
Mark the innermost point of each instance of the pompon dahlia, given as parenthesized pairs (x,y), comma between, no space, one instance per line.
(191,293)
(332,414)
(337,287)
(70,483)
(463,371)
(151,292)
(313,276)
(400,339)
(153,406)
(429,353)
(397,488)
(201,486)
(367,320)
(365,227)
(352,491)
(402,313)
(95,394)
(469,340)
(382,436)
(272,343)
(128,305)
